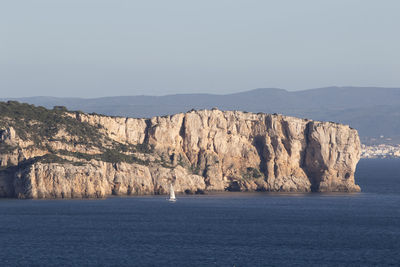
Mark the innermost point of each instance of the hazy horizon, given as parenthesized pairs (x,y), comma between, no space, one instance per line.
(199,93)
(98,48)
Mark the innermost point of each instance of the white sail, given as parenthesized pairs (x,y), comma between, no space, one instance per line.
(171,193)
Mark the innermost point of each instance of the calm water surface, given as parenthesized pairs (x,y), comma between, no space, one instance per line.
(212,230)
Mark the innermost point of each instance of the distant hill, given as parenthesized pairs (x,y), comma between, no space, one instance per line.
(373,111)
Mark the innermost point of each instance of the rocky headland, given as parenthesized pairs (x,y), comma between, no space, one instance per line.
(62,154)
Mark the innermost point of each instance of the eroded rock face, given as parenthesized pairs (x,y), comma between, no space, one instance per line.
(293,154)
(96,180)
(199,151)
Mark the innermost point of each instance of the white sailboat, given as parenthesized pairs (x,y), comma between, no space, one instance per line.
(172,197)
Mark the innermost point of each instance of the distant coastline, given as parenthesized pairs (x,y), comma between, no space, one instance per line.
(381,151)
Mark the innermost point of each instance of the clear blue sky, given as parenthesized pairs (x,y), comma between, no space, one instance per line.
(93,48)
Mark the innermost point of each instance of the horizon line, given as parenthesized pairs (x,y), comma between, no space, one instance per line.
(195,93)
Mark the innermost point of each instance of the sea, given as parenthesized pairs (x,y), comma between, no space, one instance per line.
(225,229)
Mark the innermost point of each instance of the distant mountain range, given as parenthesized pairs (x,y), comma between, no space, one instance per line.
(373,111)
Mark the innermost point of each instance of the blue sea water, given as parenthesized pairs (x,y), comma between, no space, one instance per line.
(229,229)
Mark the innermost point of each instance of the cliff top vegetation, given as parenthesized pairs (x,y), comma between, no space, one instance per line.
(42,126)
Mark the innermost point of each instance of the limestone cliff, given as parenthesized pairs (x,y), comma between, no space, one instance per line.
(90,155)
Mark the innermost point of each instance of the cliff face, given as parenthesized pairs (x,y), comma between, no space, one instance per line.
(197,151)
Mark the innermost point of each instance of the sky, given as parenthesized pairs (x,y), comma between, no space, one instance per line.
(96,48)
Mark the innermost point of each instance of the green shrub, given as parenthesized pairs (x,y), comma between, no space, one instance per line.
(41,125)
(251,173)
(37,123)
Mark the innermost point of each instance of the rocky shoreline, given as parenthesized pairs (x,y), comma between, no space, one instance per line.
(62,154)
